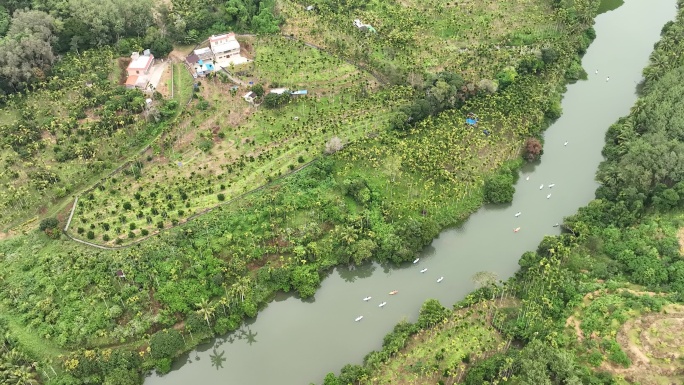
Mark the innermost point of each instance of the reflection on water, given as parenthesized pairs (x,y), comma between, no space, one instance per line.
(217,359)
(609,5)
(351,274)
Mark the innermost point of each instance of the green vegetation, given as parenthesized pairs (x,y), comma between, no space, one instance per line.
(384,160)
(66,133)
(599,304)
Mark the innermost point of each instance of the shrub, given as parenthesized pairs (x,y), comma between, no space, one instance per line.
(127,206)
(48,223)
(91,234)
(431,313)
(80,230)
(166,344)
(499,188)
(333,145)
(533,149)
(105,237)
(160,224)
(274,100)
(300,159)
(163,365)
(131,234)
(554,110)
(205,145)
(488,86)
(144,232)
(575,72)
(506,77)
(258,89)
(221,197)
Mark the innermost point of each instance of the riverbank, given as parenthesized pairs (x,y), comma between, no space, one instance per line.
(381,199)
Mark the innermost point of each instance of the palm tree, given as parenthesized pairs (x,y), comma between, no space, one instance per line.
(242,286)
(205,310)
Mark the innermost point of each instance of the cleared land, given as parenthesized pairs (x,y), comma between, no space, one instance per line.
(632,334)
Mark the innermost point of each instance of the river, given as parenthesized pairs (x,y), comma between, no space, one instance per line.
(294,342)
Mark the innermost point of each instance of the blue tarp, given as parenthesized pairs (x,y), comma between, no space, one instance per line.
(471,121)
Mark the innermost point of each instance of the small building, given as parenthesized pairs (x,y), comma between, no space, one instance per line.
(279,91)
(224,46)
(204,54)
(358,23)
(192,59)
(135,81)
(140,64)
(249,97)
(131,81)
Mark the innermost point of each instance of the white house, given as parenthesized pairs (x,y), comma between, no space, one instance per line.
(279,91)
(249,97)
(140,64)
(138,70)
(224,46)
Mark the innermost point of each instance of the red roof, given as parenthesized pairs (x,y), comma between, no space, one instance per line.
(131,80)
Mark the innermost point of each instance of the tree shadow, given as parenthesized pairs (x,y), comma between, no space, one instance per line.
(352,273)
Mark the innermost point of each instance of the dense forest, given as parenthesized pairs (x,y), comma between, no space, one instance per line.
(598,304)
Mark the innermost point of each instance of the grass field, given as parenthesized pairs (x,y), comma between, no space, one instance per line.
(631,333)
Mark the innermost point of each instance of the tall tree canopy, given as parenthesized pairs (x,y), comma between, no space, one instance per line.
(26,50)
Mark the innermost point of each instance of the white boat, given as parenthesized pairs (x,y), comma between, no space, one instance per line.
(416,260)
(556,225)
(528,178)
(359,318)
(382,304)
(565,144)
(367,298)
(440,279)
(548,196)
(518,214)
(551,185)
(541,187)
(424,270)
